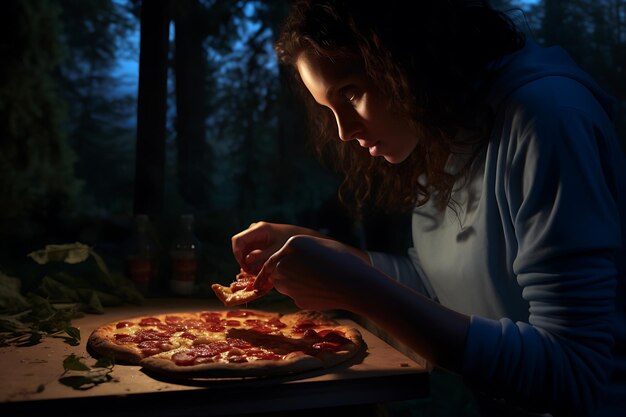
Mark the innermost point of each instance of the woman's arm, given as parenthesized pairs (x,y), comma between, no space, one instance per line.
(324,274)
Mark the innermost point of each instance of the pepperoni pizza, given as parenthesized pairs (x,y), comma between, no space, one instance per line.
(228,343)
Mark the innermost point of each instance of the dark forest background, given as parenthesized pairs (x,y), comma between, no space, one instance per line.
(72,149)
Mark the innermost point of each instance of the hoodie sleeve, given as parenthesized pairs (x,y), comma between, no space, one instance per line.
(565,225)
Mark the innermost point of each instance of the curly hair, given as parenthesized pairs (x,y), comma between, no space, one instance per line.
(430,59)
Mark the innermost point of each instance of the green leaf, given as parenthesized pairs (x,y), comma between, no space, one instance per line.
(11,300)
(54,290)
(91,301)
(100,262)
(73,363)
(35,338)
(10,324)
(73,332)
(71,253)
(104,362)
(80,376)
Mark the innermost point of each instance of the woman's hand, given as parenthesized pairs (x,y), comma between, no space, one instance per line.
(323,274)
(253,246)
(317,273)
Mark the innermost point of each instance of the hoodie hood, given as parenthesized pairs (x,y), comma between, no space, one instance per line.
(533,62)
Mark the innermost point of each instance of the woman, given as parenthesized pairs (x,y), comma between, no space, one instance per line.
(507,154)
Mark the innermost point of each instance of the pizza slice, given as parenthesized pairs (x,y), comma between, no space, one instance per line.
(240,291)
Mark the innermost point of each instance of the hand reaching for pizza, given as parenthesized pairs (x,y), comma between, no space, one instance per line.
(253,246)
(278,251)
(317,273)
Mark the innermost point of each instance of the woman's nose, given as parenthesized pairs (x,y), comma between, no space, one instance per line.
(347,126)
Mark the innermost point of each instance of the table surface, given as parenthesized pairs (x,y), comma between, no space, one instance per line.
(30,378)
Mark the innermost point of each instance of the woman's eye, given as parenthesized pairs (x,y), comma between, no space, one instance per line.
(349,94)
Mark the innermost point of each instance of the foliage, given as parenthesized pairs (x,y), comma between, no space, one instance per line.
(96,35)
(248,166)
(62,294)
(37,182)
(81,376)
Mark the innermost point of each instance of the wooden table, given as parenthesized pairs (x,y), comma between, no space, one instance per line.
(29,383)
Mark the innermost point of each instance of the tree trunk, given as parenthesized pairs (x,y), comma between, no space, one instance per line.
(151,107)
(189,64)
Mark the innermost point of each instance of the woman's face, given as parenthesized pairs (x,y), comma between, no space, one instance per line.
(360,111)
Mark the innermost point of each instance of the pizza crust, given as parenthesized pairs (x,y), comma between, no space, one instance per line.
(294,364)
(100,341)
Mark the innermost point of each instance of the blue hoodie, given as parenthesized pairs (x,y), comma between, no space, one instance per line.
(533,248)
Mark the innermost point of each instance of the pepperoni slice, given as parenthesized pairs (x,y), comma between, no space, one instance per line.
(188,335)
(261,354)
(173,320)
(215,328)
(149,321)
(210,349)
(184,358)
(125,338)
(275,322)
(211,317)
(150,347)
(193,324)
(152,335)
(123,324)
(238,343)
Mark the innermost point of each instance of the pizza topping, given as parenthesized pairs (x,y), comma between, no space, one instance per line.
(152,335)
(241,290)
(233,350)
(275,322)
(184,358)
(150,347)
(215,328)
(149,321)
(242,313)
(173,320)
(124,338)
(212,317)
(263,355)
(193,324)
(303,326)
(123,324)
(243,284)
(238,343)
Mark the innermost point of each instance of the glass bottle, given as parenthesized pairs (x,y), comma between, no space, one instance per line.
(184,254)
(141,255)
